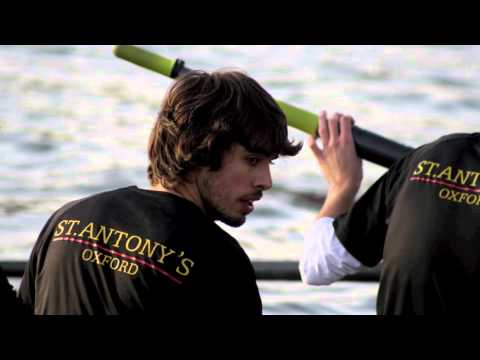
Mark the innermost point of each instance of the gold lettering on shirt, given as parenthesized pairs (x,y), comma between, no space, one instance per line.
(122,245)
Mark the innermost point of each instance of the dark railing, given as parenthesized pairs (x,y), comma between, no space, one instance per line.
(265,270)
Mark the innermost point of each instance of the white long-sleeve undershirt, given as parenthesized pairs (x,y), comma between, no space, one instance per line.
(325,259)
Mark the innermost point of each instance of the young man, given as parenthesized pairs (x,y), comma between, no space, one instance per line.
(132,250)
(420,218)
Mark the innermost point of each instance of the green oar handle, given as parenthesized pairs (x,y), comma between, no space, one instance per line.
(369,146)
(145,59)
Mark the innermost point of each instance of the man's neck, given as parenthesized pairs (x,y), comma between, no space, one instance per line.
(186,191)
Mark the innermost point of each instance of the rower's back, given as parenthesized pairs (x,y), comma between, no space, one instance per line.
(424,225)
(136,251)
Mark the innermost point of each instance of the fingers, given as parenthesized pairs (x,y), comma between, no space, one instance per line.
(346,123)
(323,132)
(333,128)
(339,127)
(312,143)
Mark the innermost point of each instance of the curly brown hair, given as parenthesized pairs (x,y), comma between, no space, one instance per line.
(203,115)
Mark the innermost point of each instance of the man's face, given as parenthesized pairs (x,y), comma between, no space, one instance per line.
(228,193)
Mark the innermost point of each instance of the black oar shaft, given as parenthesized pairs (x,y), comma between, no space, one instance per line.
(264,270)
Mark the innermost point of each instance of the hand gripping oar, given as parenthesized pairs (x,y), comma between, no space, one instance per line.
(369,146)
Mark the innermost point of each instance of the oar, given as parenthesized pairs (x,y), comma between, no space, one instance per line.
(264,270)
(369,146)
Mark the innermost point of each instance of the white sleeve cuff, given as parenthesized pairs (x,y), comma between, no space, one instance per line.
(325,259)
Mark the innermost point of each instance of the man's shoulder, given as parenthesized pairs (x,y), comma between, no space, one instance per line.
(456,140)
(91,200)
(229,243)
(451,146)
(107,194)
(222,235)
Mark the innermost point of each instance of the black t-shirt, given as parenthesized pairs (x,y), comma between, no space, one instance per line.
(422,219)
(134,251)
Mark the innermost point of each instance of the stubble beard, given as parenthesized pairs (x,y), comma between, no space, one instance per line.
(211,197)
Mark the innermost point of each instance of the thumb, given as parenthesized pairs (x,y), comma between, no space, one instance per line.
(312,143)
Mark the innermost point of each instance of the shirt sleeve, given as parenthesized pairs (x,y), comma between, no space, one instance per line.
(362,230)
(325,260)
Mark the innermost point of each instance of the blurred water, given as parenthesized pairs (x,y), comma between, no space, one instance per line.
(74,120)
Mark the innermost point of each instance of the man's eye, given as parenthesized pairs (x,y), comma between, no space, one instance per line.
(253,161)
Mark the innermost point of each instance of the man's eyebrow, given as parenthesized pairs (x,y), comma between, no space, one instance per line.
(253,153)
(261,155)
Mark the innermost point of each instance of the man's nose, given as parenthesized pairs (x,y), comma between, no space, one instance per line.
(263,179)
